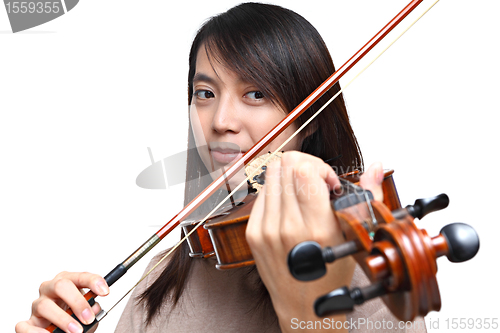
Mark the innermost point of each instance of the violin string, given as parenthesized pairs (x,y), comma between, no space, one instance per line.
(360,198)
(228,188)
(270,156)
(374,221)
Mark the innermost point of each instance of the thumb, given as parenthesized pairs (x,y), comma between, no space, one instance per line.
(372,179)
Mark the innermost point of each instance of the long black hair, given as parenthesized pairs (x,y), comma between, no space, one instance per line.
(280,52)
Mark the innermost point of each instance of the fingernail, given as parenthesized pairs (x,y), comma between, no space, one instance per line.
(102,287)
(75,328)
(88,316)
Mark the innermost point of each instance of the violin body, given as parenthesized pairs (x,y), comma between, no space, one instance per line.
(223,234)
(397,257)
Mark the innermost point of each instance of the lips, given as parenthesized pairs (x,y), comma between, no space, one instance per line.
(225,156)
(225,153)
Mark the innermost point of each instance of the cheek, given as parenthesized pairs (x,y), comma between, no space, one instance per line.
(200,124)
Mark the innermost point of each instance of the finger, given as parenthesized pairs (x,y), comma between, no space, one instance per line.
(254,225)
(66,290)
(372,180)
(81,280)
(266,207)
(308,166)
(324,171)
(45,309)
(330,177)
(272,203)
(96,308)
(312,190)
(65,287)
(25,327)
(313,180)
(44,322)
(292,227)
(316,207)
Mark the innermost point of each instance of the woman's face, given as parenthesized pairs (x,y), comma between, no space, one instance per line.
(229,115)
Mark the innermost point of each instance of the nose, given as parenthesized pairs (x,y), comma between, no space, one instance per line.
(226,116)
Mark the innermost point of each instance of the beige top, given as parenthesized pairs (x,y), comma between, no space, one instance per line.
(225,301)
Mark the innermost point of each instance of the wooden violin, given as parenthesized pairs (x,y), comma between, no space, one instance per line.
(223,234)
(397,257)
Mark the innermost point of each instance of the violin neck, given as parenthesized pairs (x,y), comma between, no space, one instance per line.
(348,194)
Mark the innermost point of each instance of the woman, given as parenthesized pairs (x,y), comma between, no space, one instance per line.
(248,68)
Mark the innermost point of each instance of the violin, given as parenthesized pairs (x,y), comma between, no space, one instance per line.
(223,234)
(398,258)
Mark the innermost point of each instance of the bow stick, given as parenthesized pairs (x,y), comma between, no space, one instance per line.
(122,268)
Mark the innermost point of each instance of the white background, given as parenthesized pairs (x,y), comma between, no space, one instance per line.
(83,96)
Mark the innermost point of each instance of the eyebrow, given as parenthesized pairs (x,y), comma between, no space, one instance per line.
(203,77)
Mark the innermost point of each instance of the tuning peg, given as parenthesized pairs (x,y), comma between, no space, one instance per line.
(306,260)
(422,207)
(462,240)
(343,300)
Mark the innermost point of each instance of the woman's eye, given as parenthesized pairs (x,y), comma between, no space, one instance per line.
(255,95)
(203,94)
